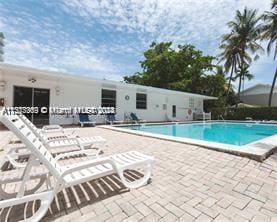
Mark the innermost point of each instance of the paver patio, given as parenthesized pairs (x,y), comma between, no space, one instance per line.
(190,183)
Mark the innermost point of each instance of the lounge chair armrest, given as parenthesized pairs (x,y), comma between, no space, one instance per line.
(58,128)
(60,139)
(12,156)
(88,164)
(73,153)
(70,131)
(51,127)
(16,164)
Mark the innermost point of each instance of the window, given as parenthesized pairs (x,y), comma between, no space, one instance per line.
(173,111)
(191,103)
(164,106)
(141,101)
(108,98)
(33,97)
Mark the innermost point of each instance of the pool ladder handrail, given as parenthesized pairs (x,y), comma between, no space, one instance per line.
(208,115)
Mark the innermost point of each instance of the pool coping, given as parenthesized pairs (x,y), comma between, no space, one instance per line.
(258,150)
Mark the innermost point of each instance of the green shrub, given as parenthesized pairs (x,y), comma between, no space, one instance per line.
(256,113)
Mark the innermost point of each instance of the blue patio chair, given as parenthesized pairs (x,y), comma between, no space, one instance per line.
(134,118)
(84,119)
(111,119)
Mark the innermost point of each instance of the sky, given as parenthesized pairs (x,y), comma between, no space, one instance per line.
(105,39)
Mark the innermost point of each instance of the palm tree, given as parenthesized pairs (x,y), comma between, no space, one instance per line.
(269,32)
(243,38)
(230,55)
(246,75)
(1,46)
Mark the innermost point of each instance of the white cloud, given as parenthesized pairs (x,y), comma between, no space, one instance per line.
(24,45)
(80,56)
(197,22)
(1,24)
(126,28)
(59,58)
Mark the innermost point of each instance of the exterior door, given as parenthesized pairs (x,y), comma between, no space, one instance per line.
(41,99)
(174,111)
(23,97)
(33,97)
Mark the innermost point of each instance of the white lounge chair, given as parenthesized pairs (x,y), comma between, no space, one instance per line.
(59,129)
(68,176)
(88,145)
(83,142)
(49,130)
(9,177)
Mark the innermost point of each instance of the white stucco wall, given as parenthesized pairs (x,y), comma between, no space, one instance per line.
(75,93)
(258,95)
(259,99)
(257,89)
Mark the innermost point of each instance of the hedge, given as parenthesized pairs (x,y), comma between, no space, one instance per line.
(256,113)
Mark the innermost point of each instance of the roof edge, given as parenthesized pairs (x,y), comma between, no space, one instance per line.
(85,77)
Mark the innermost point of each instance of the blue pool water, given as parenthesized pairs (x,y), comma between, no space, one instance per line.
(229,133)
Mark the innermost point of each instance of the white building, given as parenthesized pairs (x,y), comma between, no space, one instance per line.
(259,95)
(22,86)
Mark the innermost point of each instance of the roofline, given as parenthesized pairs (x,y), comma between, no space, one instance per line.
(252,87)
(86,78)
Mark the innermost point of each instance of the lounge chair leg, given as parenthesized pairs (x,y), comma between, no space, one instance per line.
(137,183)
(92,152)
(48,182)
(44,205)
(46,199)
(88,149)
(26,175)
(5,195)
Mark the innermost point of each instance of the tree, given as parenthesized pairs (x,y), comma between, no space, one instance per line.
(243,41)
(1,46)
(246,75)
(230,55)
(214,85)
(177,69)
(184,68)
(269,33)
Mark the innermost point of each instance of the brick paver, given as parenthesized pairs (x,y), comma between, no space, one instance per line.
(189,183)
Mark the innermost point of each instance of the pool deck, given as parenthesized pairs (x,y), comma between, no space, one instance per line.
(190,183)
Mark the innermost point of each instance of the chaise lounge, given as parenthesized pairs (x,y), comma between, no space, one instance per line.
(75,146)
(49,129)
(67,176)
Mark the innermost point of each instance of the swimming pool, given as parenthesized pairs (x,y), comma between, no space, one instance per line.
(232,133)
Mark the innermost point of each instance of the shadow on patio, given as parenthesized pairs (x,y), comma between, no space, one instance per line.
(73,198)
